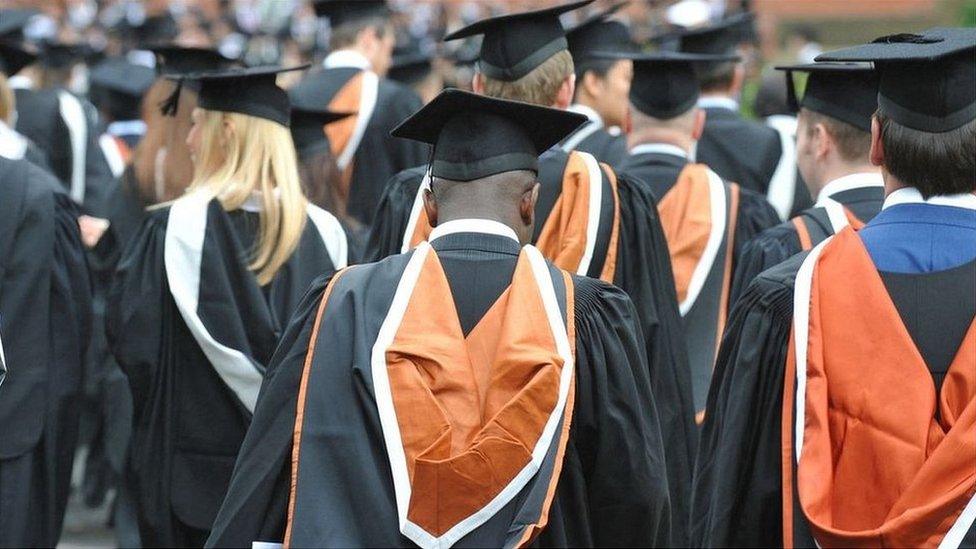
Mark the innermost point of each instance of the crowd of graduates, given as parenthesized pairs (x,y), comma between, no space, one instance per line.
(548,286)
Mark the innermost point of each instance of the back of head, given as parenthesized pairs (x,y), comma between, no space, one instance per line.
(345,35)
(934,163)
(162,163)
(853,143)
(539,87)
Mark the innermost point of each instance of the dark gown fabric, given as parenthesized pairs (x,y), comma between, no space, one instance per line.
(45,322)
(612,490)
(777,244)
(188,425)
(607,148)
(741,151)
(643,271)
(738,480)
(379,156)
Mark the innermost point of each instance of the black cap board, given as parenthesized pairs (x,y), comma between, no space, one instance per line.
(60,55)
(13,21)
(845,91)
(118,86)
(475,136)
(14,56)
(927,80)
(410,64)
(599,33)
(721,37)
(308,129)
(173,59)
(340,12)
(517,43)
(252,91)
(665,83)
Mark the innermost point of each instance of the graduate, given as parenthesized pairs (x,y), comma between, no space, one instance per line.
(466,393)
(45,322)
(741,151)
(117,87)
(842,407)
(833,146)
(706,220)
(601,86)
(204,291)
(352,80)
(590,220)
(14,145)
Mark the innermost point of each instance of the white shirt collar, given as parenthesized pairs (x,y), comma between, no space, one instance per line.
(13,145)
(484,226)
(715,102)
(659,148)
(848,182)
(20,82)
(126,127)
(587,111)
(911,195)
(347,59)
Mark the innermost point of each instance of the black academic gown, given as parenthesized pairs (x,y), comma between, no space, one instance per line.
(741,151)
(378,156)
(188,423)
(643,270)
(777,244)
(738,478)
(606,147)
(45,322)
(612,488)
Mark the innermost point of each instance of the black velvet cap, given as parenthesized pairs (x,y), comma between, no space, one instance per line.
(172,59)
(13,21)
(599,33)
(252,91)
(308,129)
(340,12)
(517,43)
(475,136)
(721,37)
(927,80)
(845,91)
(118,86)
(14,56)
(410,65)
(59,55)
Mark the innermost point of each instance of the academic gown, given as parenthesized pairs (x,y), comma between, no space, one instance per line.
(739,150)
(777,244)
(377,156)
(642,269)
(594,138)
(192,330)
(926,258)
(612,487)
(45,322)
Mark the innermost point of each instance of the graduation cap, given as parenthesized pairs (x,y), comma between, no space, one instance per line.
(722,37)
(13,21)
(410,65)
(475,136)
(665,83)
(926,80)
(341,12)
(172,59)
(119,85)
(60,55)
(517,43)
(308,129)
(845,91)
(599,33)
(14,56)
(252,91)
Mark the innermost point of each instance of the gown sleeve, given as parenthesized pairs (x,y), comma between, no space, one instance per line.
(392,215)
(767,249)
(737,498)
(71,292)
(255,507)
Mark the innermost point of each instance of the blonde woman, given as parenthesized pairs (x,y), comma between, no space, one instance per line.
(203,293)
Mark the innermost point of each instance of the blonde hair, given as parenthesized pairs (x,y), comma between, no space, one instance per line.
(539,87)
(8,104)
(254,155)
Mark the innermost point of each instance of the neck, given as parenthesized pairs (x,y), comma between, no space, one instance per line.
(446,216)
(833,172)
(641,136)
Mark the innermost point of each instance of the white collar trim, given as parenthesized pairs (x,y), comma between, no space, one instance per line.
(587,111)
(347,59)
(718,103)
(911,195)
(853,181)
(659,148)
(484,226)
(126,127)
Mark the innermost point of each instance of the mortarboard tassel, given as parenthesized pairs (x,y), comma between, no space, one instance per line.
(169,106)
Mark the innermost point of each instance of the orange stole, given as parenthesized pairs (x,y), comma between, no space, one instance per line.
(125,152)
(885,461)
(563,237)
(471,410)
(340,132)
(686,218)
(806,242)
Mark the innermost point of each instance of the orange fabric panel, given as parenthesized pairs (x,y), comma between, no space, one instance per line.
(733,217)
(686,218)
(806,243)
(421,231)
(786,437)
(124,150)
(340,132)
(471,410)
(856,223)
(886,461)
(610,263)
(300,412)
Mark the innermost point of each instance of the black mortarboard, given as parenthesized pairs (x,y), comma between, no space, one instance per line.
(845,91)
(927,81)
(14,56)
(475,136)
(60,55)
(599,33)
(721,37)
(118,86)
(252,91)
(665,83)
(308,129)
(410,65)
(517,43)
(13,21)
(173,59)
(340,12)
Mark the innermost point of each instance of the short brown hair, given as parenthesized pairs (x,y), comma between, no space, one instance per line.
(344,35)
(539,87)
(853,143)
(933,163)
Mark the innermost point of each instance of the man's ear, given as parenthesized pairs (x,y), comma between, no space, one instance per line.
(738,79)
(822,141)
(527,205)
(478,83)
(565,96)
(698,126)
(592,84)
(430,207)
(877,146)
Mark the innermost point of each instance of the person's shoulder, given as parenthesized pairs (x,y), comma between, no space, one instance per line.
(407,181)
(780,280)
(777,235)
(35,181)
(593,297)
